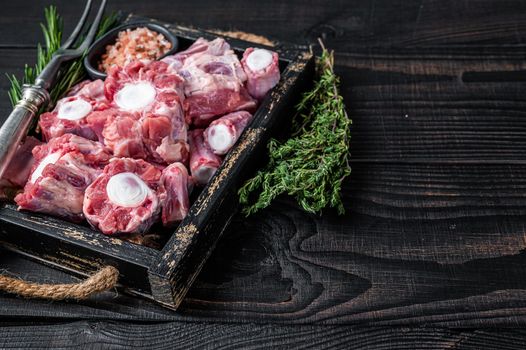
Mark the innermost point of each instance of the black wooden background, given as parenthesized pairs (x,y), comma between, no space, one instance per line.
(431,252)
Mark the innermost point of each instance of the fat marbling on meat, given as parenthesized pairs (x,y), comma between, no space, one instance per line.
(63,168)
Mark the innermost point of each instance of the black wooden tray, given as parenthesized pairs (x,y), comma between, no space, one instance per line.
(165,275)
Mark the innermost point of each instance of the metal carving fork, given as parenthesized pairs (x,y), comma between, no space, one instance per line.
(35,96)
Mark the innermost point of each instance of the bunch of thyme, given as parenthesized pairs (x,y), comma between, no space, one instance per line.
(70,74)
(313,163)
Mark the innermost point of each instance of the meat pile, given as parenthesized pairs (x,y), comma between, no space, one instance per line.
(126,152)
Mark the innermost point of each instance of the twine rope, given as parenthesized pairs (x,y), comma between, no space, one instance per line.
(102,280)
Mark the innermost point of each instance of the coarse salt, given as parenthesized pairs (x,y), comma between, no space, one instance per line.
(138,44)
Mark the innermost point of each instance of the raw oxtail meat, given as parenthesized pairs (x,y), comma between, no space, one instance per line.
(203,162)
(150,122)
(125,198)
(262,69)
(17,173)
(92,90)
(82,112)
(216,47)
(223,133)
(63,169)
(214,81)
(123,135)
(178,185)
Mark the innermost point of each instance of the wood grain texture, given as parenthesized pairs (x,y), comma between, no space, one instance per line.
(434,233)
(179,335)
(348,25)
(458,263)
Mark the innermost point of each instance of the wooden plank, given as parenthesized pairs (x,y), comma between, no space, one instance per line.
(74,248)
(178,335)
(453,261)
(421,111)
(436,244)
(346,25)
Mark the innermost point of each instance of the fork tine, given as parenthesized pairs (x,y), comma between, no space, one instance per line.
(93,29)
(74,35)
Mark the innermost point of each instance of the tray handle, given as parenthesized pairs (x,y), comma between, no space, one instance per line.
(102,280)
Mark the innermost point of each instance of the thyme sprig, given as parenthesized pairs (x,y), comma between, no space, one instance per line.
(71,73)
(313,163)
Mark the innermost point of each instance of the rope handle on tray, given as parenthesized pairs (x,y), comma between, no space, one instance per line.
(102,280)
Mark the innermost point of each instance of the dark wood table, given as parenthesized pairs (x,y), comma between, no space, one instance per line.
(431,251)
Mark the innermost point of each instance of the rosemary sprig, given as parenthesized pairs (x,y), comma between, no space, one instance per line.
(71,73)
(313,163)
(52,31)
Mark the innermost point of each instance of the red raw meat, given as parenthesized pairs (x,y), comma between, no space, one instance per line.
(126,198)
(63,169)
(224,132)
(97,120)
(178,185)
(123,135)
(262,69)
(202,109)
(17,173)
(74,114)
(203,162)
(151,122)
(214,81)
(165,138)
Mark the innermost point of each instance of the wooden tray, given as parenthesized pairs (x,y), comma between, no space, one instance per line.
(165,275)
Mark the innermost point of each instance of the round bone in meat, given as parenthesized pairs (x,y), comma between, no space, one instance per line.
(135,96)
(203,162)
(155,128)
(74,110)
(127,190)
(81,112)
(223,133)
(259,59)
(262,69)
(220,138)
(125,198)
(178,185)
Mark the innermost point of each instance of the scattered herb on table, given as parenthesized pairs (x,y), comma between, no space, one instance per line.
(71,73)
(313,163)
